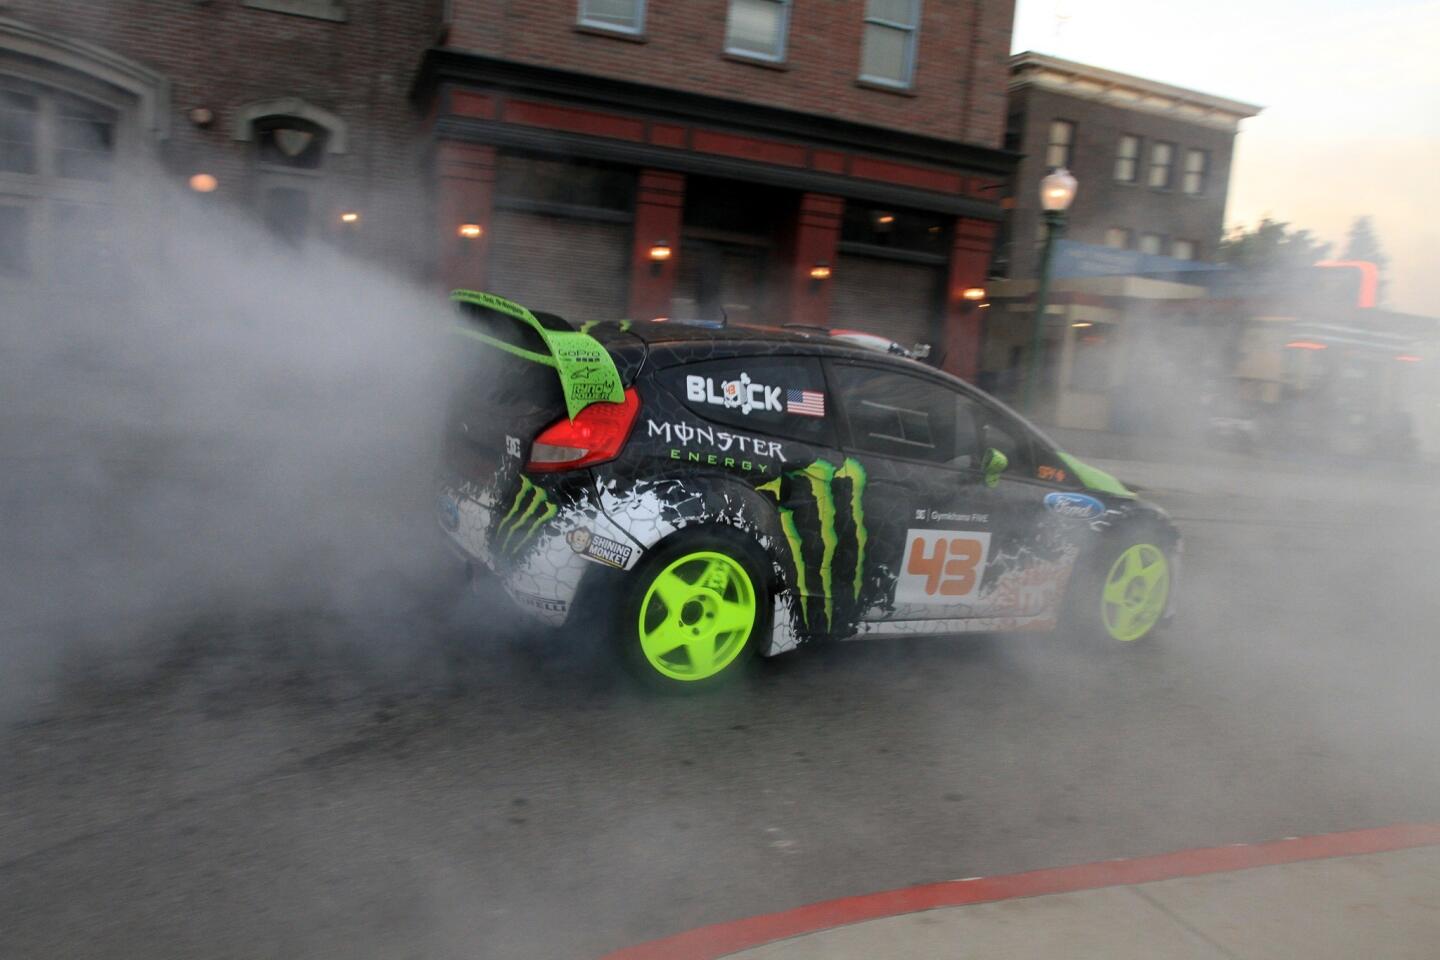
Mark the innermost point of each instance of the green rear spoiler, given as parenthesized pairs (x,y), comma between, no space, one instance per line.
(586,369)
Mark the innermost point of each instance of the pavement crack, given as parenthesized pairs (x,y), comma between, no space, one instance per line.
(1140,892)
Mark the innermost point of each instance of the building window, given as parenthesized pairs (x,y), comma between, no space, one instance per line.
(287,214)
(756,28)
(1162,161)
(1197,165)
(1127,158)
(563,187)
(291,142)
(623,16)
(1151,243)
(19,123)
(1183,249)
(888,53)
(1118,237)
(1061,145)
(85,140)
(14,241)
(917,231)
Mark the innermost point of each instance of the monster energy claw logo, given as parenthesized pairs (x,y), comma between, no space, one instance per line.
(532,507)
(821,476)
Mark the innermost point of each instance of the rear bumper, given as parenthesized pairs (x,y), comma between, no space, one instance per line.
(541,562)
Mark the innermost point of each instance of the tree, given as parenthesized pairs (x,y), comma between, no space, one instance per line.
(1270,247)
(1362,244)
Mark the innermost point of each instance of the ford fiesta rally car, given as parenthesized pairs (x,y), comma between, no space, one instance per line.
(729,491)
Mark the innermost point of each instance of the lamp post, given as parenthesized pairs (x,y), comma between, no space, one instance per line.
(1057,191)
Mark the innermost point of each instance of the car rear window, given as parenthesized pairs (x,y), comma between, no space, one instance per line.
(783,396)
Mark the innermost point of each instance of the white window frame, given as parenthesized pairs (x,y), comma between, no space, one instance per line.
(635,31)
(1168,166)
(1159,250)
(1194,249)
(1125,233)
(778,57)
(1133,159)
(1068,146)
(1201,175)
(911,43)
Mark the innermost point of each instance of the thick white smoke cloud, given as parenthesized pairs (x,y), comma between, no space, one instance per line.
(225,424)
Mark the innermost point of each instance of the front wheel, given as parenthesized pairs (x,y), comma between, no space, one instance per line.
(694,611)
(1123,596)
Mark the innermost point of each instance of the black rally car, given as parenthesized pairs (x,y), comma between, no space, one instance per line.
(731,491)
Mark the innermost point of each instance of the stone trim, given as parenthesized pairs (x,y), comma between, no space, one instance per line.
(243,124)
(150,89)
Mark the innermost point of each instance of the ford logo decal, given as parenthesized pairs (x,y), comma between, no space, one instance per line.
(1074,506)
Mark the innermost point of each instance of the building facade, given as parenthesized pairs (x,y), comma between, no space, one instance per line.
(751,160)
(1127,319)
(293,112)
(1152,160)
(834,164)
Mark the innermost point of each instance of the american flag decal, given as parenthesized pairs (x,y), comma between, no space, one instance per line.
(807,403)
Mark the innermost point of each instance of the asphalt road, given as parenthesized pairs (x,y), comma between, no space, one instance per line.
(456,786)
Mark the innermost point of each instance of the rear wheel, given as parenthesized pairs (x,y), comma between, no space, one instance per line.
(694,611)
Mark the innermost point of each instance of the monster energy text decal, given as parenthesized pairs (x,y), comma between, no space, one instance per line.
(529,512)
(818,481)
(722,440)
(587,371)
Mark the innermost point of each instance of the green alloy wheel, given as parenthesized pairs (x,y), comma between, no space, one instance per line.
(1135,592)
(697,616)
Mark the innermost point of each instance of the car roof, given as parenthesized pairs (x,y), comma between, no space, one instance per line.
(736,339)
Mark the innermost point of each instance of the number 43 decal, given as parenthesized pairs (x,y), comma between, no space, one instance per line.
(942,566)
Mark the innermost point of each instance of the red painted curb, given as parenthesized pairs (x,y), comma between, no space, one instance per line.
(718,940)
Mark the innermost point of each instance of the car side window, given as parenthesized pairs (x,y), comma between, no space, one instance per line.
(896,414)
(776,395)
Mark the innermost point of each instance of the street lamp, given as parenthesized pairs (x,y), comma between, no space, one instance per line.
(1057,191)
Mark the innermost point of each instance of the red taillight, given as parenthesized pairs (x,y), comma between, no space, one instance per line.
(597,434)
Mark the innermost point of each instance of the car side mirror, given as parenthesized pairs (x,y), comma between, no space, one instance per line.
(992,465)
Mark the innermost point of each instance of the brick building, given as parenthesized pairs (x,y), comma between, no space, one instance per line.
(724,156)
(770,161)
(1152,160)
(298,109)
(1127,320)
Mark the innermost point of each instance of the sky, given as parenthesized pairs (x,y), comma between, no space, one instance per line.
(1351,91)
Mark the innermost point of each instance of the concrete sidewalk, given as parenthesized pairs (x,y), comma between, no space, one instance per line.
(1377,905)
(1342,896)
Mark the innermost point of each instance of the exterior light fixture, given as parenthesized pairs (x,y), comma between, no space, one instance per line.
(885,219)
(350,216)
(203,183)
(471,231)
(1057,192)
(821,271)
(202,116)
(660,251)
(973,293)
(1082,325)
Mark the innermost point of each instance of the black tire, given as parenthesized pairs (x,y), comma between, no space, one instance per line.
(743,555)
(1094,617)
